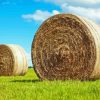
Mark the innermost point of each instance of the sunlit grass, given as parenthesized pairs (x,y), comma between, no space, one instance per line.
(29,87)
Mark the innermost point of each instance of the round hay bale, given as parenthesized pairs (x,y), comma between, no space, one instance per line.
(67,46)
(13,60)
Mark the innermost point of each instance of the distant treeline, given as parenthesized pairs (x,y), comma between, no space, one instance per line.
(30,67)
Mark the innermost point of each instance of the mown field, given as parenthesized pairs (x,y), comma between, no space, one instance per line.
(29,87)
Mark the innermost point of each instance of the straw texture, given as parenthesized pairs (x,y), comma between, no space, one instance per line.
(67,46)
(13,60)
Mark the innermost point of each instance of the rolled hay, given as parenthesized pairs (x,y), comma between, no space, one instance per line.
(13,60)
(65,47)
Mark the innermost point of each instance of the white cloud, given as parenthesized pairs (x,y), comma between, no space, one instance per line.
(73,1)
(39,15)
(79,7)
(91,13)
(68,6)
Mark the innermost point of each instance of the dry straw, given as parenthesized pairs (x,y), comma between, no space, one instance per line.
(13,60)
(67,46)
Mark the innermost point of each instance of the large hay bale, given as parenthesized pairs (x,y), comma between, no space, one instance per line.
(67,46)
(13,60)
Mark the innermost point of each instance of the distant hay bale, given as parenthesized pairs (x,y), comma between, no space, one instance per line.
(67,46)
(13,60)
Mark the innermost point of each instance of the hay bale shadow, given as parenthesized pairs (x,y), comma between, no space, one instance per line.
(23,81)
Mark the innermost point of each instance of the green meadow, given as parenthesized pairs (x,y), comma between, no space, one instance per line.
(29,87)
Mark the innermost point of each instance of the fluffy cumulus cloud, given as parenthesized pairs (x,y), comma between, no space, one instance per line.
(39,15)
(91,13)
(86,8)
(73,1)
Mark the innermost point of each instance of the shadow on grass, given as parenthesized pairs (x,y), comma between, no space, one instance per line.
(37,80)
(23,81)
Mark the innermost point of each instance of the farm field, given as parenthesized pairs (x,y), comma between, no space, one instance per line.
(29,87)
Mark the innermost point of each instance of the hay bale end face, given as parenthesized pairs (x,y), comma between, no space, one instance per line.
(13,60)
(67,46)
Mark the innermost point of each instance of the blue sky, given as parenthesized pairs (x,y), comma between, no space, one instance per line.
(20,19)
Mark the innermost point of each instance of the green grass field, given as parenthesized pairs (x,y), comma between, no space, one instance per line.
(29,87)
